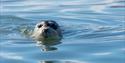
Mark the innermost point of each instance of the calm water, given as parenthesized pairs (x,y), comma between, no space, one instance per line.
(93,31)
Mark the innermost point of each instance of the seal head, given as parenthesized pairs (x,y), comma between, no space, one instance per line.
(47,31)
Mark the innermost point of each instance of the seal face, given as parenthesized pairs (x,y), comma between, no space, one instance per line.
(47,31)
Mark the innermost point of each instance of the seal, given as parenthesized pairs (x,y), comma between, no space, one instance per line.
(47,32)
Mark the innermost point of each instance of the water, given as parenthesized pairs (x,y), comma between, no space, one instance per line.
(93,31)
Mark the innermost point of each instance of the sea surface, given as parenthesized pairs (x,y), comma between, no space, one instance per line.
(93,31)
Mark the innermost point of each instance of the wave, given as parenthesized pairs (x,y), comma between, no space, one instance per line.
(99,35)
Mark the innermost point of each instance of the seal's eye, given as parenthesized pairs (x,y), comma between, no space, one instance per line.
(39,26)
(54,26)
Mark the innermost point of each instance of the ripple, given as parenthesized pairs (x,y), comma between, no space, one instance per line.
(97,35)
(11,56)
(103,53)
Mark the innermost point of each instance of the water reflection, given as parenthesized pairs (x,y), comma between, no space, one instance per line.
(48,46)
(67,61)
(48,62)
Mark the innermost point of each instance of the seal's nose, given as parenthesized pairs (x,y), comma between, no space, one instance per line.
(45,30)
(46,33)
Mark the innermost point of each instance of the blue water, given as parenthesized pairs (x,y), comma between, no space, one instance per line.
(93,31)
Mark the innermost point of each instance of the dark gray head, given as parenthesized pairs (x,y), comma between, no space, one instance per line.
(47,29)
